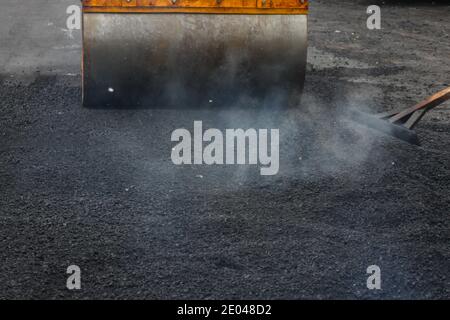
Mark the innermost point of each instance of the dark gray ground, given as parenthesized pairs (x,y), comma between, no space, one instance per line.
(97,188)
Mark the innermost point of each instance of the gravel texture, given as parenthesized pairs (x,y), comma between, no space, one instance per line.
(97,188)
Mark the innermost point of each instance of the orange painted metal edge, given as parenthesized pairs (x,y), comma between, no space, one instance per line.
(195,10)
(197,6)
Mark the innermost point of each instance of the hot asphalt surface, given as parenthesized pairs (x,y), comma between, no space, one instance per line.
(97,188)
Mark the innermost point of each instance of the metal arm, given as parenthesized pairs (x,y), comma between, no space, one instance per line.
(410,117)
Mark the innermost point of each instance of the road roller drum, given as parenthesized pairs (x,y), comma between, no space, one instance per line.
(172,53)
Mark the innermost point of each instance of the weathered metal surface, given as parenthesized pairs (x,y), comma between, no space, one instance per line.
(198,6)
(182,59)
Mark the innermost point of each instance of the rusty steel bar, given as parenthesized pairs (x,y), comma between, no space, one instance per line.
(413,115)
(400,123)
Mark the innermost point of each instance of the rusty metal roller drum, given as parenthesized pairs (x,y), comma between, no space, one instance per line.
(172,53)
